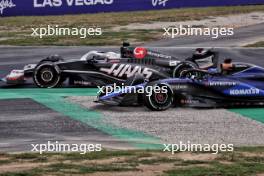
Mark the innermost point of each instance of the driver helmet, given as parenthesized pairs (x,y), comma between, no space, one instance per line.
(200,51)
(227,65)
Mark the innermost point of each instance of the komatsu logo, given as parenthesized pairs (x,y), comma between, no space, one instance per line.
(127,70)
(252,91)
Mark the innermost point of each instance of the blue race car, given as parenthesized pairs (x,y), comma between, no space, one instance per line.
(236,84)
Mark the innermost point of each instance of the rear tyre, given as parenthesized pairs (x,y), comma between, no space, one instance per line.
(159,100)
(47,75)
(194,74)
(182,67)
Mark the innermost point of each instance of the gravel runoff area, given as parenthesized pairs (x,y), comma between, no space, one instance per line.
(207,126)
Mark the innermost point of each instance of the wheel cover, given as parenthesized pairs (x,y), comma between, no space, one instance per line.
(161,100)
(47,76)
(161,97)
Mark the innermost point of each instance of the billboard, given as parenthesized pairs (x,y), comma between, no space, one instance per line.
(61,7)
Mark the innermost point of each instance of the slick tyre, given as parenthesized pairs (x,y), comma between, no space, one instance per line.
(158,100)
(182,67)
(47,75)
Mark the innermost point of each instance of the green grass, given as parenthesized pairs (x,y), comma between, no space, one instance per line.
(3,162)
(257,149)
(77,169)
(238,169)
(17,30)
(237,163)
(104,155)
(258,44)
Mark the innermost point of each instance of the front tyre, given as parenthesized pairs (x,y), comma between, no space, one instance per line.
(47,75)
(160,98)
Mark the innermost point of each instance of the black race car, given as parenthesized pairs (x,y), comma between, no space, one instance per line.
(102,68)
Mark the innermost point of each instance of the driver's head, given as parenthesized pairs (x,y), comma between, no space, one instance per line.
(200,51)
(227,65)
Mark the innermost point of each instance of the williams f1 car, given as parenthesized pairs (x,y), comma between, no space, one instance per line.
(102,68)
(240,84)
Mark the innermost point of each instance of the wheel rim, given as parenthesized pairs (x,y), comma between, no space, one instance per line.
(181,68)
(161,98)
(47,76)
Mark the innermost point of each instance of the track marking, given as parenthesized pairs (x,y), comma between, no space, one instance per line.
(252,113)
(54,99)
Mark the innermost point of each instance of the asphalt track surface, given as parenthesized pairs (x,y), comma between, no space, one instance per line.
(25,121)
(242,36)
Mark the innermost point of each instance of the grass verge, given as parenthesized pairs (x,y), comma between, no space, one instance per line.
(17,30)
(258,44)
(243,161)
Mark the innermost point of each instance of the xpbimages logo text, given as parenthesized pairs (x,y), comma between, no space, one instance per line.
(56,30)
(188,30)
(139,89)
(59,147)
(195,147)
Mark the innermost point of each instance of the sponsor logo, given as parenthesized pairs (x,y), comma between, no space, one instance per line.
(127,70)
(140,53)
(159,55)
(251,91)
(59,3)
(174,63)
(83,83)
(219,83)
(159,3)
(6,4)
(189,101)
(179,87)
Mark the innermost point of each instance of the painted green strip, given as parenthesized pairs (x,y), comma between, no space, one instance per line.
(253,113)
(53,99)
(26,93)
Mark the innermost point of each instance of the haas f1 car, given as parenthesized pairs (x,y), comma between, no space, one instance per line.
(102,68)
(241,84)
